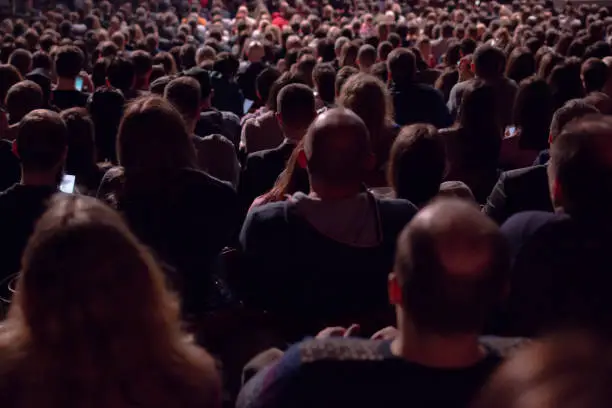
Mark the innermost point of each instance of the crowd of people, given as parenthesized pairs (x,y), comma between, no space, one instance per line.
(292,204)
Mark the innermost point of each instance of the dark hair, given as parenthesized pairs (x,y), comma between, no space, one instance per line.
(533,111)
(467,46)
(436,299)
(304,67)
(572,110)
(401,64)
(22,60)
(121,73)
(167,61)
(489,62)
(383,51)
(42,60)
(366,53)
(379,70)
(580,164)
(565,83)
(9,76)
(188,56)
(69,61)
(594,74)
(343,75)
(184,94)
(106,109)
(22,98)
(226,64)
(416,164)
(143,63)
(265,81)
(521,64)
(324,78)
(81,159)
(99,72)
(296,105)
(285,79)
(203,78)
(42,140)
(325,50)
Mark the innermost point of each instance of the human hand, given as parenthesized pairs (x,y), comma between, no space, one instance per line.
(388,333)
(338,332)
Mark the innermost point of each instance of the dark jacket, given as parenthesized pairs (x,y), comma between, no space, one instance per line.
(297,272)
(186,217)
(519,190)
(419,103)
(247,74)
(262,170)
(215,122)
(227,96)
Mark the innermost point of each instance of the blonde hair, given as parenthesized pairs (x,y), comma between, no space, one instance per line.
(93,324)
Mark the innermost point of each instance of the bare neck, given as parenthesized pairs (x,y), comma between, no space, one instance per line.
(65,84)
(434,350)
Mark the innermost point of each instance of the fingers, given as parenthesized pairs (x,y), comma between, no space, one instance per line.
(352,331)
(388,333)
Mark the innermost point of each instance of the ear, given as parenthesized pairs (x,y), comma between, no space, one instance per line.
(395,292)
(15,150)
(550,138)
(557,192)
(301,159)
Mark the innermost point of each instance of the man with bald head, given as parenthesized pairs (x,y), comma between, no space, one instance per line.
(323,257)
(450,272)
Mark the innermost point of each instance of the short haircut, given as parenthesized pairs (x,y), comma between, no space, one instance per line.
(188,56)
(324,78)
(366,55)
(42,60)
(226,64)
(594,74)
(143,63)
(121,73)
(158,86)
(437,297)
(203,78)
(22,98)
(580,163)
(264,82)
(572,110)
(81,143)
(343,75)
(384,49)
(285,79)
(184,94)
(22,60)
(42,140)
(296,105)
(401,64)
(69,61)
(204,53)
(336,145)
(417,163)
(489,62)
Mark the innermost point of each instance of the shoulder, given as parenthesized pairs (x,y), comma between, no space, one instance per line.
(345,349)
(266,213)
(396,206)
(525,173)
(230,117)
(521,228)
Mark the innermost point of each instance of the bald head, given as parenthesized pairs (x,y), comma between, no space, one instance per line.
(452,263)
(337,147)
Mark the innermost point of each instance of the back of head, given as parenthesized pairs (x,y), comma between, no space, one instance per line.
(153,138)
(337,147)
(264,82)
(580,167)
(489,62)
(401,64)
(533,111)
(416,164)
(343,75)
(9,76)
(58,307)
(121,74)
(366,57)
(296,106)
(106,108)
(452,264)
(571,111)
(184,94)
(203,78)
(564,370)
(23,98)
(81,146)
(324,78)
(22,60)
(42,141)
(143,63)
(284,80)
(69,62)
(594,74)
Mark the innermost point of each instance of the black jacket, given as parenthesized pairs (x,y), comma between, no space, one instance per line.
(519,190)
(419,103)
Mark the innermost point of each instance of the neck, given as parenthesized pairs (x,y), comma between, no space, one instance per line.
(326,192)
(65,84)
(38,179)
(435,350)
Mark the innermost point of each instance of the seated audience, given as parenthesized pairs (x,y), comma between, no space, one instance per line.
(186,216)
(69,62)
(565,255)
(351,232)
(414,102)
(93,324)
(216,154)
(21,99)
(296,111)
(450,271)
(41,145)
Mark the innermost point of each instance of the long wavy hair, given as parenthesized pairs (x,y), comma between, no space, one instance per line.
(92,323)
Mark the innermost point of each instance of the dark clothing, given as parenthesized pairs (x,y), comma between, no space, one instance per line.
(215,122)
(186,217)
(262,170)
(560,274)
(20,207)
(247,74)
(542,158)
(300,270)
(227,96)
(69,99)
(517,191)
(419,103)
(364,373)
(10,169)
